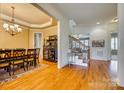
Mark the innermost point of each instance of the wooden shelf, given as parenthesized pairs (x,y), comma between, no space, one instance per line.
(50,49)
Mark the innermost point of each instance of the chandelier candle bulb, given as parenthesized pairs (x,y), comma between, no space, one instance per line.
(15,25)
(5,25)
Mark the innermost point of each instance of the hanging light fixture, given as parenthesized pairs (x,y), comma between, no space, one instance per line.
(12,28)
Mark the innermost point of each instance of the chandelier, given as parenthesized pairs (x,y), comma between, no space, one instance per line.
(12,28)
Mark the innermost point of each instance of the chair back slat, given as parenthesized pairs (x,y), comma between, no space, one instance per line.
(31,53)
(5,54)
(19,53)
(37,52)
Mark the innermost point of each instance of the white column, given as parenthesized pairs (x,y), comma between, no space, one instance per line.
(121,45)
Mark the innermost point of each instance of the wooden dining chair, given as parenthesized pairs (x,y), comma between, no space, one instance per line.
(37,55)
(18,58)
(5,60)
(31,57)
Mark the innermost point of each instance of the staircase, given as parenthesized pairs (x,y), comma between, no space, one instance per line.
(78,53)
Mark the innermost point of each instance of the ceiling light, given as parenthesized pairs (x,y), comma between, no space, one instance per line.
(114,20)
(12,28)
(98,23)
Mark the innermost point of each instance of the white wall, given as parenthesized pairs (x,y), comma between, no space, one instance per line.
(100,32)
(72,25)
(121,45)
(82,30)
(63,32)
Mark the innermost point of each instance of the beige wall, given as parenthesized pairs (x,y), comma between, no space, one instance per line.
(20,40)
(25,38)
(50,31)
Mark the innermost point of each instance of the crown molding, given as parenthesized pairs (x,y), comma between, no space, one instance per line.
(6,18)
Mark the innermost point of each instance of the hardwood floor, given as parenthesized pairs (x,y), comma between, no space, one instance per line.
(98,76)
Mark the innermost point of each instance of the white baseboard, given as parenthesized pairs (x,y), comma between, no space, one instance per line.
(100,59)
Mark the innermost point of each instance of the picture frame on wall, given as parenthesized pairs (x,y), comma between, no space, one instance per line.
(98,43)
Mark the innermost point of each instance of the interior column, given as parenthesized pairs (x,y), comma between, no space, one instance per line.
(121,45)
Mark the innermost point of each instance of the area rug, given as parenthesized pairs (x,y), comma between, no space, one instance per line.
(4,76)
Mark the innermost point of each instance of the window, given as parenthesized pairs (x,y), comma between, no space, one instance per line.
(114,43)
(85,41)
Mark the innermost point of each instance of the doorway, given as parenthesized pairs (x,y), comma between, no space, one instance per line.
(37,39)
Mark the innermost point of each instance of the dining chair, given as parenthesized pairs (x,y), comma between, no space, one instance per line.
(31,57)
(5,60)
(37,55)
(18,58)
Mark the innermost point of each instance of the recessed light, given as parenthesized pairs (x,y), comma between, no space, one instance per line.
(98,23)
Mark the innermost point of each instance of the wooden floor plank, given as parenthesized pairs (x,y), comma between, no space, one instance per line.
(98,76)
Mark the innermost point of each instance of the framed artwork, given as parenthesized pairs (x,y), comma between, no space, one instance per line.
(98,43)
